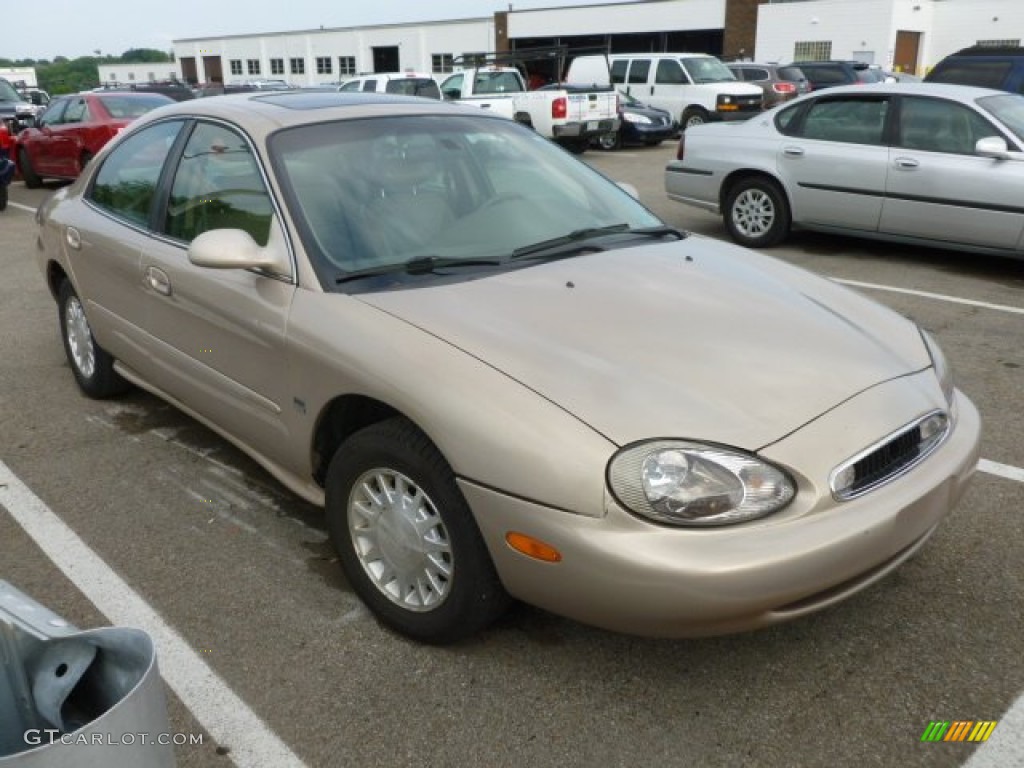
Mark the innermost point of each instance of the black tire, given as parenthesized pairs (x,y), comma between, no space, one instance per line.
(693,116)
(576,146)
(28,173)
(98,379)
(3,196)
(609,141)
(756,213)
(383,456)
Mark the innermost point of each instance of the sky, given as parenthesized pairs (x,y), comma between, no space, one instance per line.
(75,28)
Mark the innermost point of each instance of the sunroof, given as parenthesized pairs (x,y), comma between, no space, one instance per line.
(325,99)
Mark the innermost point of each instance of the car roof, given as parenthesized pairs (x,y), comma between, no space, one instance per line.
(262,112)
(956,92)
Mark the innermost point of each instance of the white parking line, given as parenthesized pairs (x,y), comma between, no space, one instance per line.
(1006,746)
(20,207)
(1002,470)
(217,708)
(927,295)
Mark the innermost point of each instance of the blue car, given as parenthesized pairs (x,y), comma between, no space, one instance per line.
(639,124)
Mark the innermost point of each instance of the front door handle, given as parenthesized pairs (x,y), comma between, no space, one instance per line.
(157,280)
(793,151)
(906,162)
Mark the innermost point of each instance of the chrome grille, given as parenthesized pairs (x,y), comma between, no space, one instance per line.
(890,457)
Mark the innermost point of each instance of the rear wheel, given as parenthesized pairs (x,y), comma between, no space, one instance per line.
(28,173)
(92,365)
(694,116)
(406,538)
(576,146)
(756,213)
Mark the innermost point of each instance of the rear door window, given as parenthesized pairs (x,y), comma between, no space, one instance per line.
(853,120)
(639,71)
(619,68)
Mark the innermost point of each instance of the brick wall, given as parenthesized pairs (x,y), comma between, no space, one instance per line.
(740,28)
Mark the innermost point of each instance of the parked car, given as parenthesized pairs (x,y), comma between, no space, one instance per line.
(401,308)
(74,128)
(404,83)
(913,162)
(778,83)
(174,89)
(828,74)
(639,124)
(695,88)
(15,112)
(983,66)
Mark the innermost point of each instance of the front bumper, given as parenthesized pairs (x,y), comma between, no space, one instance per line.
(625,574)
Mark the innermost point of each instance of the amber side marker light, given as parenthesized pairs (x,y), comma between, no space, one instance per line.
(532,547)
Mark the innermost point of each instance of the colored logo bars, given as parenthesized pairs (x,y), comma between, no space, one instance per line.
(958,730)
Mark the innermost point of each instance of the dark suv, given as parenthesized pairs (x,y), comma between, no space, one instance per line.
(826,74)
(985,66)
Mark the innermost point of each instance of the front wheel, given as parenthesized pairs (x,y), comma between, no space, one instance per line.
(756,213)
(609,141)
(406,538)
(92,365)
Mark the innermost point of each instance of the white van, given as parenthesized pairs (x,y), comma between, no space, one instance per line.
(694,87)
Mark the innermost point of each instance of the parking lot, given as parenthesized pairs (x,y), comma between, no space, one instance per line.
(273,660)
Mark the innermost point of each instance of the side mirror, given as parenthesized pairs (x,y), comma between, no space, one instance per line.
(994,147)
(235,249)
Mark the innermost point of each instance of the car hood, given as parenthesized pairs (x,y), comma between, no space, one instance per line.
(694,339)
(736,88)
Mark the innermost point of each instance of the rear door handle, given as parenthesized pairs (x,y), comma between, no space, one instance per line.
(157,280)
(906,162)
(793,151)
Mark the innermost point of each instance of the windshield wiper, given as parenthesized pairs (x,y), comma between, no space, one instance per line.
(579,240)
(421,265)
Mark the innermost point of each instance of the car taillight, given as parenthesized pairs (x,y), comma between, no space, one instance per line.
(560,108)
(681,149)
(783,87)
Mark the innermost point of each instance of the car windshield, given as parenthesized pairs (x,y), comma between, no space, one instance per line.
(7,92)
(1008,109)
(120,106)
(707,69)
(385,192)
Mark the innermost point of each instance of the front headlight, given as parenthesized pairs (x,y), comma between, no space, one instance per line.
(632,117)
(942,369)
(690,484)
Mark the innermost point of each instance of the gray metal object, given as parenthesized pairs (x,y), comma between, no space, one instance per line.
(74,699)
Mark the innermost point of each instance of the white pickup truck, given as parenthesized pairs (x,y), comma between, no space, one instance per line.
(572,117)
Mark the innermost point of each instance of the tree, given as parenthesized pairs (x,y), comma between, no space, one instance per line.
(143,55)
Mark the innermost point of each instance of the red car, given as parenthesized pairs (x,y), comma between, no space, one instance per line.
(74,128)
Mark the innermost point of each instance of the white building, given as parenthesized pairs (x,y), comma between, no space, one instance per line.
(910,34)
(20,75)
(138,73)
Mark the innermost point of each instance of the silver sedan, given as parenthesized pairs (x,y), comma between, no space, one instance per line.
(937,165)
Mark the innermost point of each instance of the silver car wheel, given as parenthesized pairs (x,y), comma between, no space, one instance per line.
(400,540)
(753,213)
(79,336)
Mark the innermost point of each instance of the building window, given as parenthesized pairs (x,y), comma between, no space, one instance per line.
(297,66)
(277,66)
(323,65)
(131,75)
(442,62)
(254,66)
(999,43)
(816,50)
(236,66)
(152,77)
(346,65)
